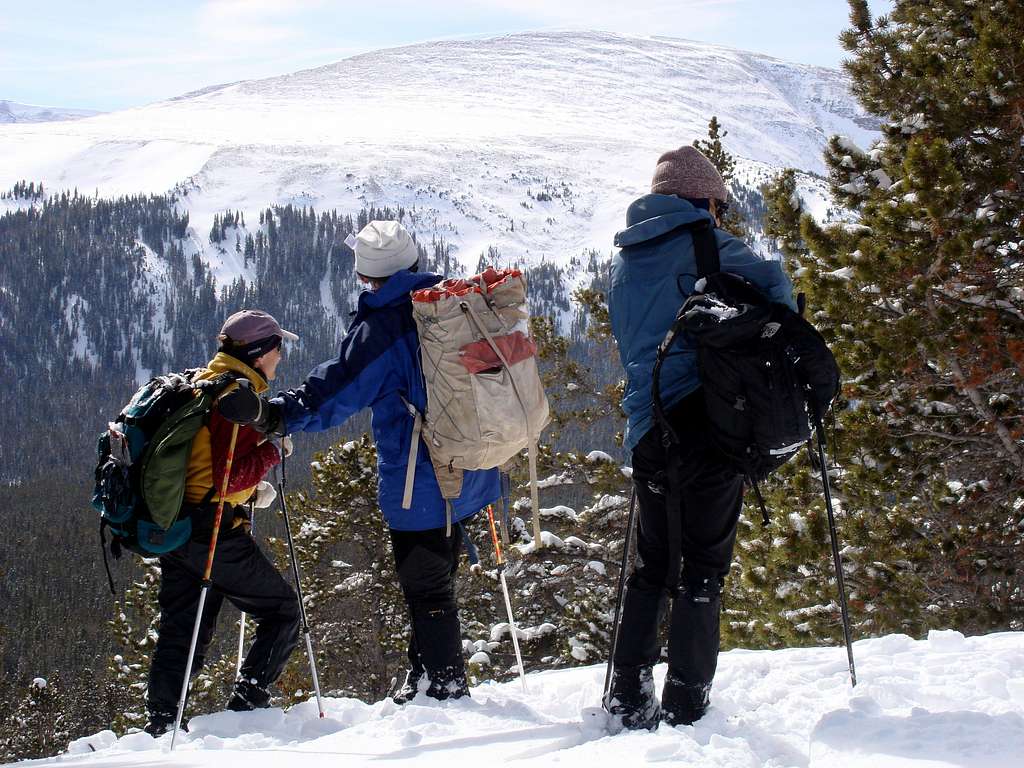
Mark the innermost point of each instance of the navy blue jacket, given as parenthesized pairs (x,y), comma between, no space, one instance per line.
(651,276)
(378,365)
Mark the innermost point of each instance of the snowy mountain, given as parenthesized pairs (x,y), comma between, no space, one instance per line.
(942,702)
(12,112)
(534,143)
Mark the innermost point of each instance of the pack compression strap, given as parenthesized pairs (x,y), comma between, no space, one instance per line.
(103,549)
(414,449)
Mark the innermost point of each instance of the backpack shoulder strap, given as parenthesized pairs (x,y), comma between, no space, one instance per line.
(705,249)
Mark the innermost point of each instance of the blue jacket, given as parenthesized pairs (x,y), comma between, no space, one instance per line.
(651,276)
(377,366)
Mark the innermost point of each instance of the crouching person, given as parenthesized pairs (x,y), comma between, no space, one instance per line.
(250,348)
(378,367)
(651,277)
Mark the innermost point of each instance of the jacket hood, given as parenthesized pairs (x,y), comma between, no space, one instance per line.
(225,363)
(655,215)
(396,290)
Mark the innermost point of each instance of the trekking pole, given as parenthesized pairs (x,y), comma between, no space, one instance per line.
(241,620)
(500,558)
(506,505)
(298,587)
(837,559)
(206,583)
(618,599)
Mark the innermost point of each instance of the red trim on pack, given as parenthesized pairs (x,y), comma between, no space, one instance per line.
(460,286)
(478,356)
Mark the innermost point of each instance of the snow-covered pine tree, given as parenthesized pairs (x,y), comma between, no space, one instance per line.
(136,626)
(922,297)
(38,726)
(354,603)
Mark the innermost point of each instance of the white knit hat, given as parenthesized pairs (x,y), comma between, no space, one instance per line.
(382,248)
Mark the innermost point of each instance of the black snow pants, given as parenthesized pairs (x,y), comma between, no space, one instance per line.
(711,496)
(426,562)
(243,575)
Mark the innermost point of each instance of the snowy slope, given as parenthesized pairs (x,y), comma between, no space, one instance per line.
(467,132)
(941,702)
(12,112)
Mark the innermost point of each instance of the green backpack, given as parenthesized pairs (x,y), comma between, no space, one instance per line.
(142,458)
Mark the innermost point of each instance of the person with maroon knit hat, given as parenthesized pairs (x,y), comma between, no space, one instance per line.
(250,349)
(652,275)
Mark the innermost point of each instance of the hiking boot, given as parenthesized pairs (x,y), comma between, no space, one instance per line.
(681,703)
(438,639)
(631,698)
(448,683)
(161,721)
(248,696)
(410,688)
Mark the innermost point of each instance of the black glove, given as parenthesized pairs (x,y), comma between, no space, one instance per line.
(243,406)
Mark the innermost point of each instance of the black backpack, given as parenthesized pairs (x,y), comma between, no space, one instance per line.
(766,373)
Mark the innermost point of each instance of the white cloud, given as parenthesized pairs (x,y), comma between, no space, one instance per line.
(253,21)
(639,15)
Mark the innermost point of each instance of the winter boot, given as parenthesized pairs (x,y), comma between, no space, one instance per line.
(683,704)
(161,721)
(248,695)
(448,683)
(439,641)
(631,698)
(410,688)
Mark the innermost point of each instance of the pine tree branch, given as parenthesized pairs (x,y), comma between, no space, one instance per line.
(986,413)
(944,436)
(980,302)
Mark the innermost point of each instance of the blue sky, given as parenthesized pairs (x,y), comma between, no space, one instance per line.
(111,55)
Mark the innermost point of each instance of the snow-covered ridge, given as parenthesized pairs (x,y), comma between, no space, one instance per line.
(534,143)
(942,702)
(12,112)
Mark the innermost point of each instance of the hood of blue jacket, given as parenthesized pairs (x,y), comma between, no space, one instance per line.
(652,216)
(395,291)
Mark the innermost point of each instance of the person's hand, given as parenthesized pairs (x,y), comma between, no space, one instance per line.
(243,406)
(265,495)
(286,446)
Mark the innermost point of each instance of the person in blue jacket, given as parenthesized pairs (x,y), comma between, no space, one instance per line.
(651,276)
(378,367)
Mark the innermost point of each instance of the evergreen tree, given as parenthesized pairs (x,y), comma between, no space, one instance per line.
(921,297)
(715,151)
(38,726)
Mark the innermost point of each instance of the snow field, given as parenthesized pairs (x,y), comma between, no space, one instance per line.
(941,702)
(467,132)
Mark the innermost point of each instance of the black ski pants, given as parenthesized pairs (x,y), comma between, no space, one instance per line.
(243,575)
(426,562)
(710,498)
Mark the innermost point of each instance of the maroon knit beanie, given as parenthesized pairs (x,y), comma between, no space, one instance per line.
(687,173)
